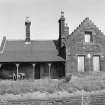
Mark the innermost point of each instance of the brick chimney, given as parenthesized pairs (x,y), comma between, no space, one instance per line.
(61,29)
(27,24)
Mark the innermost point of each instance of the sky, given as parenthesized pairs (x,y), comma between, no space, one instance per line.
(44,15)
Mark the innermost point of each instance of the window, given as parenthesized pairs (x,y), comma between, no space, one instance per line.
(88,37)
(96,63)
(81,63)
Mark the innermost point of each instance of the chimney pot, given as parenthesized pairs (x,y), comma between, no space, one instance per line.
(62,13)
(27,20)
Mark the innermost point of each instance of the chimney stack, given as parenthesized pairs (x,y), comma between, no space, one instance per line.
(61,25)
(66,30)
(61,29)
(27,24)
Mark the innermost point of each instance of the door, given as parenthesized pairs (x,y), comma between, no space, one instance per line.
(44,70)
(37,71)
(80,63)
(96,63)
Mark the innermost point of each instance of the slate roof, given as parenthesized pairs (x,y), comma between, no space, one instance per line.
(37,51)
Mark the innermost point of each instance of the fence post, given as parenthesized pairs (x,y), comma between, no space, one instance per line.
(82,98)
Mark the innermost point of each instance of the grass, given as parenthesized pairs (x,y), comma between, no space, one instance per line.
(24,86)
(91,82)
(88,82)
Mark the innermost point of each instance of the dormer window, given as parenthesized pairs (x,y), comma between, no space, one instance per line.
(88,37)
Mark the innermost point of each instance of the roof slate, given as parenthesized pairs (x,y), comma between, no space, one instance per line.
(37,51)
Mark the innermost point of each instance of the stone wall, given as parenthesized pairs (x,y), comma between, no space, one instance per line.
(76,45)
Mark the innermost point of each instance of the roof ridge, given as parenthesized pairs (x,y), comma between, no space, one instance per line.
(31,40)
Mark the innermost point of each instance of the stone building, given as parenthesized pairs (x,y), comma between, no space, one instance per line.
(81,51)
(85,49)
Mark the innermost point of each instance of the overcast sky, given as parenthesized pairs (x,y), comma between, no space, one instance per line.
(44,15)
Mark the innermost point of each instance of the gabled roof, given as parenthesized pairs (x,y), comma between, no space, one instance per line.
(87,24)
(37,51)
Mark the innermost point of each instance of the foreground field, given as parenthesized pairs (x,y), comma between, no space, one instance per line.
(91,98)
(52,88)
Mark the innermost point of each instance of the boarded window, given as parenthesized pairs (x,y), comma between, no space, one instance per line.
(96,63)
(80,63)
(88,37)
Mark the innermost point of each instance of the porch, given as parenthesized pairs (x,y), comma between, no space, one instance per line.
(32,70)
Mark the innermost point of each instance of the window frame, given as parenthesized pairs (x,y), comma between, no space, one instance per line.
(99,62)
(81,71)
(91,37)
